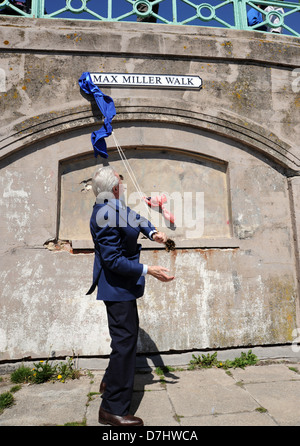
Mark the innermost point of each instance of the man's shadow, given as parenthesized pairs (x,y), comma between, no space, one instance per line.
(145,375)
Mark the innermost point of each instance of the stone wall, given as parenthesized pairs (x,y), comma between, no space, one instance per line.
(232,147)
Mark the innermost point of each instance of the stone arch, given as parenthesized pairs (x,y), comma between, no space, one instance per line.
(234,128)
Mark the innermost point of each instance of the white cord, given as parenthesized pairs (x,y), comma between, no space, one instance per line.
(130,172)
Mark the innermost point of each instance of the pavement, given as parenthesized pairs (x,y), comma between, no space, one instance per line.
(266,394)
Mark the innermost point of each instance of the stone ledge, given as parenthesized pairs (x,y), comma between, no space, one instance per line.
(221,243)
(168,41)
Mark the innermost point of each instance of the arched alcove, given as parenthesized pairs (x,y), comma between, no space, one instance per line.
(184,180)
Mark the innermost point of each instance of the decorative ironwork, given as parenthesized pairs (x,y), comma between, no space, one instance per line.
(276,16)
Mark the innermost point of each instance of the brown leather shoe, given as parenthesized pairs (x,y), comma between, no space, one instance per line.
(116,420)
(102,387)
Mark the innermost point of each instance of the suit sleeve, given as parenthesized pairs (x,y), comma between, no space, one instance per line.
(109,242)
(146,227)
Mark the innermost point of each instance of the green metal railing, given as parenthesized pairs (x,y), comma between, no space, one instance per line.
(282,17)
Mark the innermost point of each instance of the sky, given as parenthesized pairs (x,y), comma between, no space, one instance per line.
(120,7)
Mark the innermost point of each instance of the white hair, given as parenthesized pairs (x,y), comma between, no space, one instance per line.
(104,180)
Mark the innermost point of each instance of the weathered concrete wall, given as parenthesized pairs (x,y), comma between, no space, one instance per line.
(235,141)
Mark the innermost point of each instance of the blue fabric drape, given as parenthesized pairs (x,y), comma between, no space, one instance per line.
(108,110)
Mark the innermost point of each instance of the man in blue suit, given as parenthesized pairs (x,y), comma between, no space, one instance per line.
(120,278)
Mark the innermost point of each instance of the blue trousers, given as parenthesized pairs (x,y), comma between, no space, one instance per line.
(123,323)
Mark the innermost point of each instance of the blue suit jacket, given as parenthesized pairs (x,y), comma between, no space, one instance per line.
(117,271)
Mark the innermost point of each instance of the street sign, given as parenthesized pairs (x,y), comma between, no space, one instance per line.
(146,80)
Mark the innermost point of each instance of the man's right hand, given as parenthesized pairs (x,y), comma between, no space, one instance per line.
(159,272)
